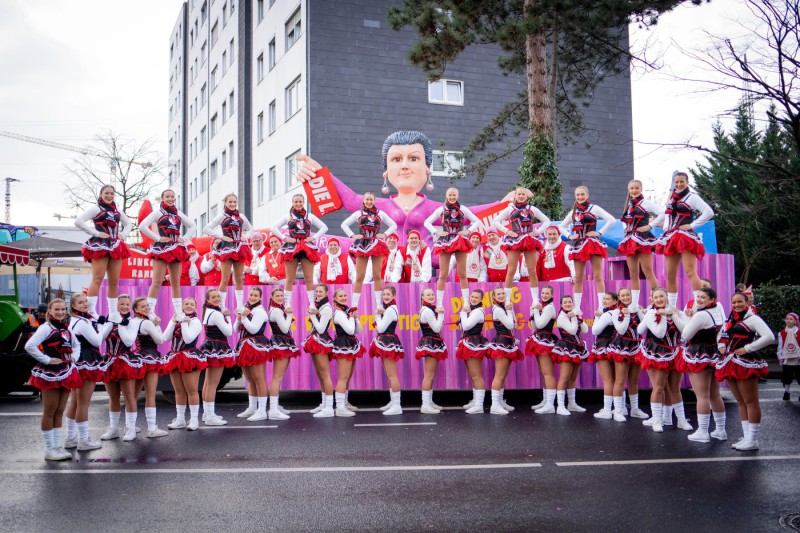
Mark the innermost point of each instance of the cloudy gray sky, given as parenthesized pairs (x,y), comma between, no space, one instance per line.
(74,69)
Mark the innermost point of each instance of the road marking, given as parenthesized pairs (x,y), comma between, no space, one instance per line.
(237,427)
(398,468)
(395,424)
(20,414)
(682,460)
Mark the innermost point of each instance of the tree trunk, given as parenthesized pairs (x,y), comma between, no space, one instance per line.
(538,90)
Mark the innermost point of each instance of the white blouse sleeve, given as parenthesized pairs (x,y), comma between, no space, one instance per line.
(600,323)
(570,325)
(349,221)
(542,316)
(544,219)
(605,215)
(169,333)
(218,319)
(391,225)
(126,225)
(700,320)
(189,229)
(658,329)
(144,227)
(436,215)
(475,317)
(322,228)
(346,322)
(277,227)
(128,333)
(765,335)
(565,225)
(476,222)
(503,316)
(213,228)
(247,227)
(83,328)
(38,337)
(191,330)
(154,331)
(653,208)
(383,322)
(699,205)
(620,325)
(284,321)
(501,217)
(82,222)
(253,322)
(320,321)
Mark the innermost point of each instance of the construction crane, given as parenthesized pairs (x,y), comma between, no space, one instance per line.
(8,198)
(112,162)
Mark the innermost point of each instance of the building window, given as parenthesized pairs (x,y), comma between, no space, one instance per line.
(224,112)
(203,13)
(260,67)
(293,27)
(230,104)
(260,128)
(191,76)
(191,149)
(203,53)
(214,125)
(224,161)
(203,138)
(231,52)
(230,151)
(259,11)
(203,95)
(214,34)
(202,181)
(291,170)
(224,14)
(272,117)
(273,182)
(260,188)
(224,62)
(212,172)
(233,6)
(213,211)
(214,80)
(203,220)
(272,54)
(191,191)
(271,3)
(293,98)
(446,163)
(450,92)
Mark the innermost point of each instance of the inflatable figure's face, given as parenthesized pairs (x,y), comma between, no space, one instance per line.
(406,169)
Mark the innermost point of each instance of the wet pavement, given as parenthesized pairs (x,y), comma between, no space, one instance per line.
(446,472)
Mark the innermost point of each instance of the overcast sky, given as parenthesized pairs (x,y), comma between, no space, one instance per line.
(72,70)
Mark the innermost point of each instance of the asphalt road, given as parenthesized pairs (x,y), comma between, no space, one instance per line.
(450,472)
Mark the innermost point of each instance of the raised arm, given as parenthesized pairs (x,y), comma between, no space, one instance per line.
(191,330)
(600,323)
(434,321)
(189,229)
(253,322)
(542,316)
(218,319)
(653,208)
(320,321)
(501,217)
(169,333)
(277,227)
(565,225)
(383,322)
(570,325)
(475,317)
(83,328)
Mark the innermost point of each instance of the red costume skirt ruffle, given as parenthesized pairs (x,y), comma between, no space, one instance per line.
(314,344)
(71,380)
(187,361)
(127,366)
(741,368)
(522,243)
(171,254)
(253,355)
(584,250)
(540,344)
(387,347)
(472,347)
(637,243)
(97,248)
(291,250)
(451,244)
(238,254)
(679,242)
(369,248)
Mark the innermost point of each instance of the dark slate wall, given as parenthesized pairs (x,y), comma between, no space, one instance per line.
(362,88)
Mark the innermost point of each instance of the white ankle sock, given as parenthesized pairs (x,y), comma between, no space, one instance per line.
(395,398)
(618,405)
(208,408)
(755,429)
(534,295)
(465,297)
(239,295)
(92,306)
(668,413)
(328,401)
(311,297)
(550,397)
(112,305)
(634,400)
(83,431)
(439,298)
(658,411)
(672,299)
(47,440)
(56,437)
(703,422)
(261,403)
(152,302)
(287,298)
(113,419)
(180,411)
(72,427)
(130,419)
(719,420)
(378,298)
(577,298)
(496,396)
(560,397)
(607,402)
(680,414)
(273,403)
(427,397)
(571,396)
(745,428)
(194,412)
(479,396)
(252,402)
(176,306)
(507,291)
(356,298)
(340,401)
(223,296)
(150,416)
(635,297)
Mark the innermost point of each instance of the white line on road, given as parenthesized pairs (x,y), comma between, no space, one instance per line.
(20,414)
(238,427)
(682,460)
(395,424)
(398,468)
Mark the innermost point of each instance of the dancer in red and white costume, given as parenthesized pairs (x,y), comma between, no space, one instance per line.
(623,350)
(272,270)
(114,348)
(639,242)
(299,246)
(540,345)
(320,345)
(252,271)
(232,252)
(472,349)
(92,366)
(522,240)
(282,350)
(554,263)
(504,349)
(603,331)
(369,245)
(700,356)
(254,351)
(570,352)
(789,353)
(680,244)
(185,364)
(346,349)
(217,351)
(580,225)
(393,264)
(55,374)
(741,338)
(451,239)
(495,258)
(105,249)
(661,349)
(417,268)
(431,348)
(332,268)
(387,346)
(168,250)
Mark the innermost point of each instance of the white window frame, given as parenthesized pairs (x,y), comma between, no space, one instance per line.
(446,100)
(292,95)
(260,189)
(259,11)
(272,53)
(260,68)
(452,161)
(291,170)
(294,28)
(273,117)
(260,128)
(273,182)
